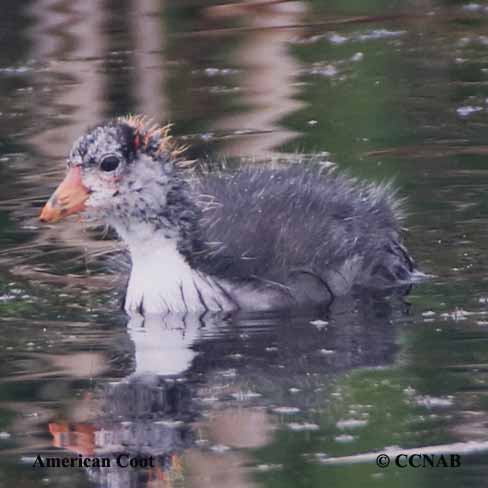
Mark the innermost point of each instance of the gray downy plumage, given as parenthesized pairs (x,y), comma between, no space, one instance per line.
(260,238)
(315,232)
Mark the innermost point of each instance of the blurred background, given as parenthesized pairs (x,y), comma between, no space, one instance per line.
(382,89)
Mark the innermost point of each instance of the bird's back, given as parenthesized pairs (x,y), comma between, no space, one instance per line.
(303,228)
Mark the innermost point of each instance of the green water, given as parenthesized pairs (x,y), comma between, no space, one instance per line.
(385,90)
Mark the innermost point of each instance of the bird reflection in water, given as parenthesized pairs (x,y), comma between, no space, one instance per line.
(202,385)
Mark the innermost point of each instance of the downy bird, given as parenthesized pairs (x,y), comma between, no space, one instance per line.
(265,237)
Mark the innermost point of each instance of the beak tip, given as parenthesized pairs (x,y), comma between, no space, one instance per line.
(69,198)
(48,214)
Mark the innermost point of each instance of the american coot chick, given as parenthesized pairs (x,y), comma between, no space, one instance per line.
(262,238)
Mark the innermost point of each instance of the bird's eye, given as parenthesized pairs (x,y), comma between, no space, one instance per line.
(109,163)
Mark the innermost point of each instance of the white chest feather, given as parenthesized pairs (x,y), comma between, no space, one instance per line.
(161,281)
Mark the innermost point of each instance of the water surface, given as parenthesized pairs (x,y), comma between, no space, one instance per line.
(381,89)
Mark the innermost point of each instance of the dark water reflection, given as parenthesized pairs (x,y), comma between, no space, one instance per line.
(384,89)
(196,392)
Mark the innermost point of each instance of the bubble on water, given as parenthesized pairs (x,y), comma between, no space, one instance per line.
(15,70)
(320,456)
(351,424)
(432,402)
(245,395)
(220,71)
(345,438)
(268,467)
(320,324)
(211,71)
(326,164)
(235,356)
(169,423)
(210,399)
(337,38)
(467,110)
(307,40)
(229,373)
(472,7)
(220,448)
(224,89)
(207,136)
(359,56)
(329,71)
(458,314)
(7,297)
(286,410)
(305,426)
(409,391)
(326,352)
(380,34)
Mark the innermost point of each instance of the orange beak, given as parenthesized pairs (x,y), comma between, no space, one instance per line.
(69,198)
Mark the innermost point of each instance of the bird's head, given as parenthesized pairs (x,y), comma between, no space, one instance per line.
(123,172)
